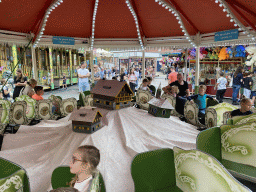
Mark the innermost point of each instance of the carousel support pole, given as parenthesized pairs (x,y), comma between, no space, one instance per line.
(91,66)
(197,69)
(143,64)
(34,66)
(70,66)
(186,65)
(51,68)
(218,71)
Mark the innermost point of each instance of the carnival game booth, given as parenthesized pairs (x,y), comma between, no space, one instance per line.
(211,68)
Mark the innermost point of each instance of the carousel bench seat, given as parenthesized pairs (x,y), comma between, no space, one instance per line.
(142,99)
(238,120)
(31,107)
(234,146)
(181,170)
(67,106)
(217,115)
(17,116)
(172,101)
(13,177)
(61,177)
(191,112)
(56,101)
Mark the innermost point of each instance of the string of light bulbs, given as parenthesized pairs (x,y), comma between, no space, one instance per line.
(235,20)
(93,22)
(136,22)
(178,17)
(46,16)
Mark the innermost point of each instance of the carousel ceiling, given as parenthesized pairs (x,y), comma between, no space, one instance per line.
(142,23)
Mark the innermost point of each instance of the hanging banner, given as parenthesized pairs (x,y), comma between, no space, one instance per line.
(51,68)
(226,35)
(63,40)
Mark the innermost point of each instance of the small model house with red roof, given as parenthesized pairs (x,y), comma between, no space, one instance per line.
(160,108)
(86,120)
(111,94)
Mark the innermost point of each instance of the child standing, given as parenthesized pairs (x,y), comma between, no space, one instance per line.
(84,164)
(247,85)
(245,109)
(64,81)
(39,91)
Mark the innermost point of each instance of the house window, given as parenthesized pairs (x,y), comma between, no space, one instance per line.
(164,112)
(155,110)
(152,109)
(93,129)
(107,102)
(97,101)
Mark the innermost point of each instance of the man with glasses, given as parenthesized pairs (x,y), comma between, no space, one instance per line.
(83,75)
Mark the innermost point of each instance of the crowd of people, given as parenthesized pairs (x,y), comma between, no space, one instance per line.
(243,83)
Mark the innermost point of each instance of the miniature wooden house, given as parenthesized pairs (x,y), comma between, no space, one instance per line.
(160,108)
(86,120)
(112,94)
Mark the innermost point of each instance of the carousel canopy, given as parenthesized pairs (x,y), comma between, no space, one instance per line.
(128,23)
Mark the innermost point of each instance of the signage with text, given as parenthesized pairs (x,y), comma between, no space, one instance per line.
(63,40)
(226,35)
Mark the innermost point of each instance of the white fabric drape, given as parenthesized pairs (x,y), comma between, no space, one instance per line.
(126,132)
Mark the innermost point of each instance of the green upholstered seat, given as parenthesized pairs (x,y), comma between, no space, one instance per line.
(11,176)
(4,114)
(200,172)
(154,171)
(238,120)
(234,146)
(180,170)
(214,114)
(31,105)
(61,177)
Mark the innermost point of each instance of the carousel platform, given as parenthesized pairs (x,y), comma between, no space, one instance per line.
(125,133)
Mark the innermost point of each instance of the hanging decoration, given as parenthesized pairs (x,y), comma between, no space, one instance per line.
(223,55)
(252,55)
(240,51)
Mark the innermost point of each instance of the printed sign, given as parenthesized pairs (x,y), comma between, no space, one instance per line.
(63,40)
(226,35)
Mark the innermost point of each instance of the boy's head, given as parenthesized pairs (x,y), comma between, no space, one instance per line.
(32,83)
(202,89)
(149,80)
(246,104)
(39,90)
(221,74)
(145,82)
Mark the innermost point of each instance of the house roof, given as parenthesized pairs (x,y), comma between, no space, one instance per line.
(161,103)
(109,88)
(85,115)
